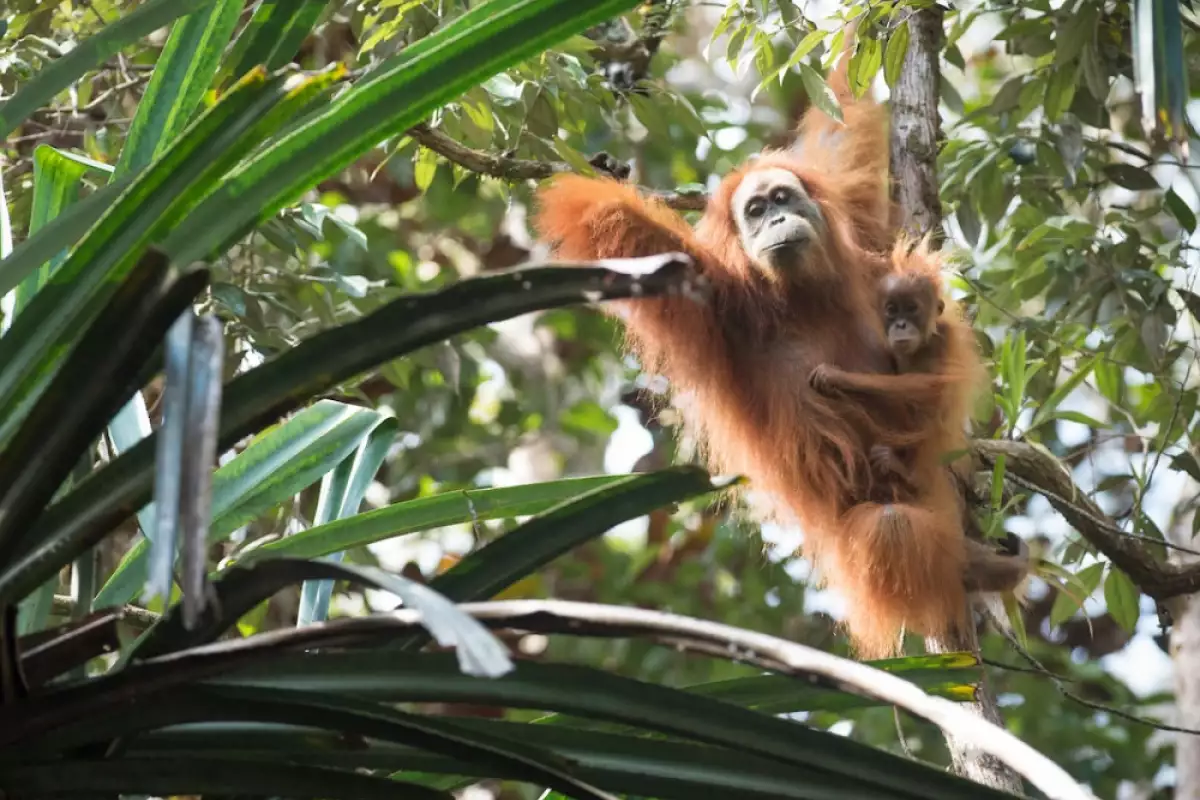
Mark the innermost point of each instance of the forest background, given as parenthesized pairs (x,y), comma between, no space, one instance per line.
(1065,200)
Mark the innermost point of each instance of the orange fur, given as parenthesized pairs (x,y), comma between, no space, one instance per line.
(742,360)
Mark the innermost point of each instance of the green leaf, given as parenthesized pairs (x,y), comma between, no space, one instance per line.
(394,96)
(88,54)
(59,234)
(864,64)
(522,551)
(56,179)
(182,74)
(205,776)
(1121,596)
(598,695)
(805,47)
(1180,210)
(1049,407)
(897,49)
(275,466)
(1130,177)
(1186,462)
(6,244)
(111,354)
(635,765)
(997,492)
(1008,96)
(1060,90)
(1073,32)
(272,36)
(1076,416)
(424,169)
(819,92)
(439,735)
(239,589)
(424,513)
(779,694)
(342,492)
(1065,604)
(155,201)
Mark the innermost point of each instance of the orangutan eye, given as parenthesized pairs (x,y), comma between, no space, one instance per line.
(890,309)
(755,208)
(780,196)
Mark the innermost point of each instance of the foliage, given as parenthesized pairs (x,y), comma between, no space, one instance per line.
(139,239)
(322,209)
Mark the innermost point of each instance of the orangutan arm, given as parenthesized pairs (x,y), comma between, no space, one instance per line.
(589,218)
(911,388)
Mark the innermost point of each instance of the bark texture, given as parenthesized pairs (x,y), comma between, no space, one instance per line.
(914,131)
(914,146)
(1185,653)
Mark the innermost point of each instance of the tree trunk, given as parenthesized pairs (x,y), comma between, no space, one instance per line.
(1185,658)
(1185,653)
(914,146)
(915,122)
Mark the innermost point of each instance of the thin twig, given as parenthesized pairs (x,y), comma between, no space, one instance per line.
(136,616)
(1092,704)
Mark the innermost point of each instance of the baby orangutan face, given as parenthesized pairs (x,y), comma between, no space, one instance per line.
(910,306)
(777,221)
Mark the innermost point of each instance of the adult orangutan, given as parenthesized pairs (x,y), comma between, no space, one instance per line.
(787,375)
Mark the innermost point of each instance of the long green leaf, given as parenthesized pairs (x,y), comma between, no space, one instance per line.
(272,36)
(424,513)
(111,353)
(594,694)
(155,202)
(33,346)
(182,74)
(61,233)
(633,765)
(342,492)
(275,466)
(88,54)
(368,720)
(6,243)
(56,179)
(398,94)
(954,678)
(259,397)
(540,540)
(203,776)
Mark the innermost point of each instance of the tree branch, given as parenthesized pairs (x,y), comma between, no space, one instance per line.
(1038,472)
(507,168)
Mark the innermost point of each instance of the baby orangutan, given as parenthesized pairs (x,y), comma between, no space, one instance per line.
(911,307)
